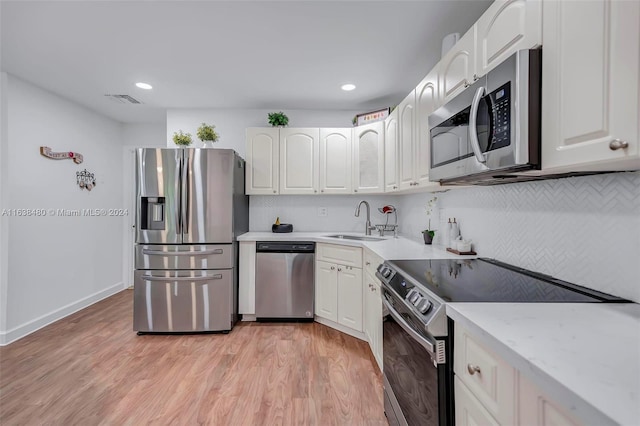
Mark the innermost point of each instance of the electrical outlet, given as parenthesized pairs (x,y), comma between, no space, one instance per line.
(322,212)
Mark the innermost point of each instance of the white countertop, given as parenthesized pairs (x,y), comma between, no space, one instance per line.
(584,356)
(389,249)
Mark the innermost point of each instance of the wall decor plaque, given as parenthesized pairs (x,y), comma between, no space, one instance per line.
(75,156)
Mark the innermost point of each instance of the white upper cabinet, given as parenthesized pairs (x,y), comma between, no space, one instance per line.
(505,27)
(406,123)
(335,161)
(457,66)
(590,93)
(427,101)
(391,152)
(368,152)
(262,161)
(299,160)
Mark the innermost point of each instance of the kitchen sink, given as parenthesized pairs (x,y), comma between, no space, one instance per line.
(354,237)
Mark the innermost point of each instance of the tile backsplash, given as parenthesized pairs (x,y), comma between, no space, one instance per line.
(585,230)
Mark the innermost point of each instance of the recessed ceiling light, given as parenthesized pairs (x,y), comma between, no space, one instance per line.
(145,86)
(348,87)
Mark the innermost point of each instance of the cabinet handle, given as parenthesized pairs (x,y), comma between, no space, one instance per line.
(315,190)
(475,77)
(416,183)
(466,83)
(274,191)
(367,263)
(371,286)
(617,144)
(395,187)
(333,268)
(339,269)
(322,190)
(473,369)
(355,190)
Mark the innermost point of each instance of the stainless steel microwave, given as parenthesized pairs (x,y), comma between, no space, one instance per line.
(492,129)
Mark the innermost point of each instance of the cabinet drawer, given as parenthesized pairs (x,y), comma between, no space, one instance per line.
(469,411)
(371,262)
(342,255)
(486,375)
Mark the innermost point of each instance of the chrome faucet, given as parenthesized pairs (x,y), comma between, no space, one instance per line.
(368,227)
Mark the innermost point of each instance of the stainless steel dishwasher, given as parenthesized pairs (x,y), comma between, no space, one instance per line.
(285,280)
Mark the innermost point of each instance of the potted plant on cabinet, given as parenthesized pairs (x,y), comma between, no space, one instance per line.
(278,119)
(181,139)
(208,135)
(429,233)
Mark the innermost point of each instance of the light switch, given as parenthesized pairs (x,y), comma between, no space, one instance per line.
(322,211)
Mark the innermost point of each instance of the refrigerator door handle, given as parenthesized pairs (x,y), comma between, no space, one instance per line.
(185,194)
(171,279)
(178,212)
(182,253)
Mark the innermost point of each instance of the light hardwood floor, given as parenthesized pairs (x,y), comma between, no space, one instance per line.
(91,368)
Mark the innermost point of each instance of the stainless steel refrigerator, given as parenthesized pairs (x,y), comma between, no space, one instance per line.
(190,207)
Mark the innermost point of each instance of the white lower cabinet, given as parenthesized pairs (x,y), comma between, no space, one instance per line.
(338,286)
(373,316)
(535,408)
(489,391)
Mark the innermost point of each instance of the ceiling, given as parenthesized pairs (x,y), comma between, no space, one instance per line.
(228,54)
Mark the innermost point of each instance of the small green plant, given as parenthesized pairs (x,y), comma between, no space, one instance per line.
(278,119)
(180,138)
(208,132)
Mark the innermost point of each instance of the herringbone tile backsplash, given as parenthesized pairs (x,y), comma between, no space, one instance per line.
(585,230)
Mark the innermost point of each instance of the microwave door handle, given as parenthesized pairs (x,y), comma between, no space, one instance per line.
(430,347)
(473,131)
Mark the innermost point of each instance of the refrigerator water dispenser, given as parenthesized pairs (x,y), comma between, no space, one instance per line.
(152,213)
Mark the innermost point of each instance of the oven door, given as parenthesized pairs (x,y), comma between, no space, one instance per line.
(415,385)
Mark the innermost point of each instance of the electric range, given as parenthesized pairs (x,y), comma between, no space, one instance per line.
(417,336)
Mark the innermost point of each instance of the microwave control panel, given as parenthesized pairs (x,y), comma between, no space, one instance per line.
(500,103)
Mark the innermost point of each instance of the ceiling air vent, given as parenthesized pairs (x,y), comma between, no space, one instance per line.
(123,99)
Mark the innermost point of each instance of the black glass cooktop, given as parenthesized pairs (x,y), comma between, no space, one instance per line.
(487,280)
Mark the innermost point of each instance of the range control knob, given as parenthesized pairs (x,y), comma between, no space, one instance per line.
(413,296)
(386,272)
(424,306)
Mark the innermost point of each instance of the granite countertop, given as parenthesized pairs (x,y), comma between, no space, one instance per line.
(584,356)
(389,248)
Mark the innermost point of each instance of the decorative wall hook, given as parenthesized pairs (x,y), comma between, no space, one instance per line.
(75,156)
(85,180)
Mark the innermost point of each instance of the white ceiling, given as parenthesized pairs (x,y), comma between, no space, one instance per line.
(228,54)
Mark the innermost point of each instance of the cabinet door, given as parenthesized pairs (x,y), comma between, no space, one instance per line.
(391,152)
(427,101)
(299,161)
(505,27)
(373,316)
(350,297)
(368,166)
(535,408)
(469,411)
(590,90)
(457,66)
(406,122)
(335,161)
(326,291)
(247,278)
(263,148)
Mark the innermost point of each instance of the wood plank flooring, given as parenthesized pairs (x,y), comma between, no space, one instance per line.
(92,369)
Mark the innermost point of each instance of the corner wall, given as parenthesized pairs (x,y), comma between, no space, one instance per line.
(58,263)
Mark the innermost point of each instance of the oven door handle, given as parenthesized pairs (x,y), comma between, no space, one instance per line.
(473,131)
(430,347)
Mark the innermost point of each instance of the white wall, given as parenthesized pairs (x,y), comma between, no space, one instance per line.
(585,230)
(144,134)
(4,220)
(302,212)
(59,264)
(231,123)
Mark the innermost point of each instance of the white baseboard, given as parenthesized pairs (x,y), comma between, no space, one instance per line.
(23,330)
(248,317)
(350,331)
